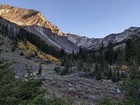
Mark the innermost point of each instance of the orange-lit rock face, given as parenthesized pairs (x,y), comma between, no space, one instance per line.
(26,17)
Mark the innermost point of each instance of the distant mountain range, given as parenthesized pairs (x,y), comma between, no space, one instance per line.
(117,39)
(34,22)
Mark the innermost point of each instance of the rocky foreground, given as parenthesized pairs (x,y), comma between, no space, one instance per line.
(80,90)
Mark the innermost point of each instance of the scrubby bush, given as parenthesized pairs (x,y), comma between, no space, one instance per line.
(106,101)
(13,49)
(21,54)
(57,70)
(58,101)
(64,71)
(61,71)
(39,70)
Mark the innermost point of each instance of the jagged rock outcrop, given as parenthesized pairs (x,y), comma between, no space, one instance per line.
(84,42)
(34,22)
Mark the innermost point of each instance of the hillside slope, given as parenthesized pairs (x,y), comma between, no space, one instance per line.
(34,22)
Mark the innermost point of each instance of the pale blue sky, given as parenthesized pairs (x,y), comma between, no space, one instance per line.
(92,18)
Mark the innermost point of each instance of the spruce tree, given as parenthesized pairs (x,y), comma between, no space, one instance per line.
(66,69)
(109,73)
(97,72)
(116,76)
(80,65)
(25,40)
(39,70)
(89,60)
(129,50)
(110,53)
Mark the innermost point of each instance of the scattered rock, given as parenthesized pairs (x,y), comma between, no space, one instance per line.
(118,90)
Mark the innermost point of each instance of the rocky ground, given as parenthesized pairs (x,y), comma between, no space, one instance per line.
(76,89)
(18,63)
(80,90)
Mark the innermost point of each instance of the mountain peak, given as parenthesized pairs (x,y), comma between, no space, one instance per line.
(5,6)
(27,17)
(132,28)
